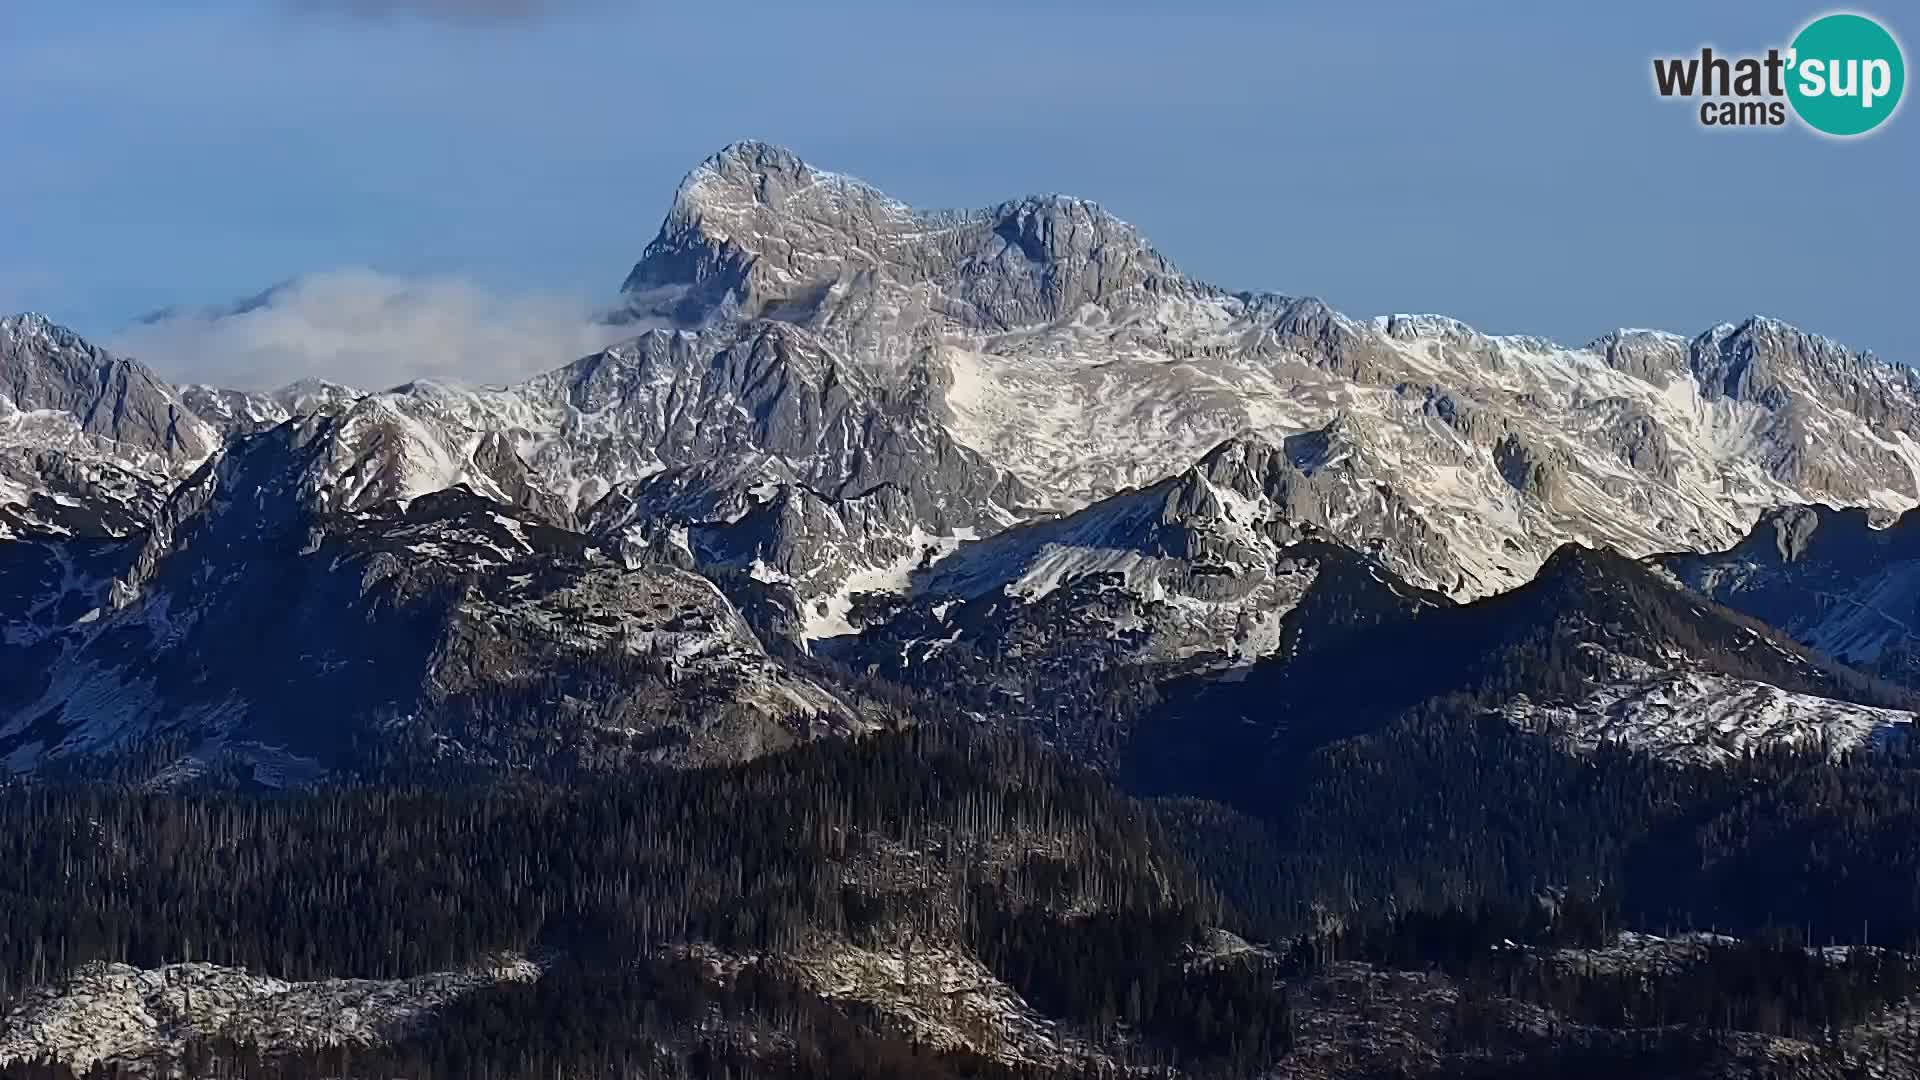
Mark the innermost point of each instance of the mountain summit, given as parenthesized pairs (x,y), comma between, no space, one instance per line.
(756,231)
(911,438)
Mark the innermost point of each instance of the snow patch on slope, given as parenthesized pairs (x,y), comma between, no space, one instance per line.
(1707,718)
(827,616)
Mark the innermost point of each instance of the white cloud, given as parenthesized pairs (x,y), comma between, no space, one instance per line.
(369,330)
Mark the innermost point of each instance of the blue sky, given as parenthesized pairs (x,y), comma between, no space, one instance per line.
(1504,163)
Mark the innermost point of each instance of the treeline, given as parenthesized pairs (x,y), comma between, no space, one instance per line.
(1443,808)
(1566,957)
(1830,852)
(1147,970)
(382,882)
(984,842)
(1451,807)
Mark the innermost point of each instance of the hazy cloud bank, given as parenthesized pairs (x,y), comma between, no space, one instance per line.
(369,330)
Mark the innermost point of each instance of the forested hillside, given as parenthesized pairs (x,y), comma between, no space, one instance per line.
(679,919)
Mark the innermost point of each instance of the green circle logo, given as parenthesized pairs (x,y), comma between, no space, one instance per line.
(1846,74)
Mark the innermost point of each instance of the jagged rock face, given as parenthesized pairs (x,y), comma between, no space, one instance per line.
(749,519)
(1074,659)
(755,232)
(1597,650)
(1040,355)
(1531,470)
(1800,381)
(239,412)
(1770,362)
(1205,569)
(69,493)
(830,395)
(1845,582)
(678,404)
(233,412)
(1119,370)
(1503,446)
(90,443)
(1637,438)
(1356,496)
(44,367)
(247,623)
(765,388)
(1648,355)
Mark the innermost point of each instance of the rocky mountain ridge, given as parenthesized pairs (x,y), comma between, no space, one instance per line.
(1845,582)
(888,434)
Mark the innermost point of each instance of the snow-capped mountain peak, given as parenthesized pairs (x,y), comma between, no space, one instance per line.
(829,394)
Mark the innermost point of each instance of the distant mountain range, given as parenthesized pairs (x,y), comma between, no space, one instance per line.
(850,435)
(960,644)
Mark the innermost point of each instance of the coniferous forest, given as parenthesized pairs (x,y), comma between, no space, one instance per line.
(1096,907)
